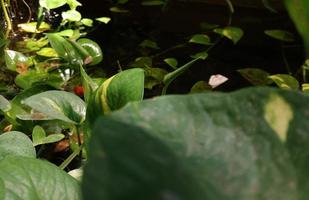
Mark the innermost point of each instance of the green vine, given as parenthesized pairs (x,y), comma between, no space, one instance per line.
(7,19)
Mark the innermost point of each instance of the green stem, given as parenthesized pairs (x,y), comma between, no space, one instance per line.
(7,19)
(69,159)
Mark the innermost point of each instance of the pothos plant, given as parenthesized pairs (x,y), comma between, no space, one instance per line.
(157,149)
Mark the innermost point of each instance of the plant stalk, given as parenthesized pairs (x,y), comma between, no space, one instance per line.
(6,18)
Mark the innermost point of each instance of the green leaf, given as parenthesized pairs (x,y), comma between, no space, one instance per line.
(104,20)
(52,4)
(66,33)
(125,87)
(170,77)
(59,105)
(118,10)
(29,178)
(232,33)
(74,55)
(214,146)
(71,15)
(280,35)
(87,22)
(18,108)
(47,52)
(285,81)
(31,27)
(200,87)
(88,84)
(5,105)
(172,62)
(299,13)
(153,76)
(153,3)
(15,144)
(149,44)
(73,4)
(39,136)
(201,55)
(32,77)
(15,60)
(93,49)
(200,39)
(256,76)
(305,87)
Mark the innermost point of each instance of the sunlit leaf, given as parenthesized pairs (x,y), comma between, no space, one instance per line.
(200,39)
(71,15)
(104,20)
(31,27)
(285,81)
(172,62)
(232,33)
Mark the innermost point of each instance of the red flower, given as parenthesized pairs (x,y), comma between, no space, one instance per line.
(79,90)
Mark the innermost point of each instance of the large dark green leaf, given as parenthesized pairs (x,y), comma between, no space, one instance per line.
(16,144)
(33,179)
(251,144)
(59,105)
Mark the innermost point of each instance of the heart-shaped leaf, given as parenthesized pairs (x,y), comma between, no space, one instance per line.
(52,4)
(16,61)
(16,144)
(256,76)
(29,178)
(232,33)
(206,146)
(39,136)
(200,39)
(60,105)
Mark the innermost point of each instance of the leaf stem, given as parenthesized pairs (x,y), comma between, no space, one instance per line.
(7,19)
